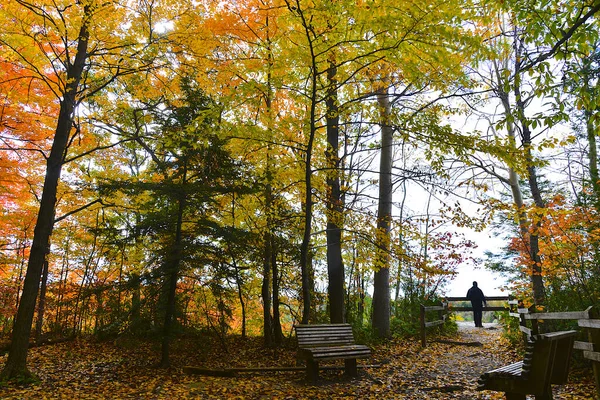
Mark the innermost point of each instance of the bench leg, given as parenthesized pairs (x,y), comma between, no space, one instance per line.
(312,371)
(351,369)
(547,395)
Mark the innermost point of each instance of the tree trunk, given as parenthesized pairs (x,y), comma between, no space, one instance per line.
(16,364)
(593,157)
(528,234)
(381,282)
(335,265)
(136,303)
(539,293)
(172,274)
(239,283)
(39,322)
(277,329)
(401,257)
(266,291)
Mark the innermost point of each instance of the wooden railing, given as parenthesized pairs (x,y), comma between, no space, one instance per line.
(488,299)
(442,314)
(589,320)
(445,307)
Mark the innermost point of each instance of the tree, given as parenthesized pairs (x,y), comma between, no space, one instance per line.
(60,57)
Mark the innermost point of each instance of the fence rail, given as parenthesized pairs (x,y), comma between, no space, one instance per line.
(487,299)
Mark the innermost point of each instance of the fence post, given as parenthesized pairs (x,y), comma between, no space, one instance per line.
(423,338)
(594,338)
(442,312)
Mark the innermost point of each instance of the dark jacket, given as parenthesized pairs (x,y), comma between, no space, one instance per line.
(476,296)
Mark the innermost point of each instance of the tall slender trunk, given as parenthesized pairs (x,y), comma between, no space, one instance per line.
(381,282)
(335,265)
(39,322)
(135,279)
(239,283)
(269,273)
(539,292)
(401,256)
(16,364)
(592,154)
(172,274)
(305,250)
(266,290)
(277,329)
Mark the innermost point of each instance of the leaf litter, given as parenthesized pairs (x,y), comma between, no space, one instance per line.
(127,369)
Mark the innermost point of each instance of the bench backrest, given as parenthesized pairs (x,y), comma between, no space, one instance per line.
(563,348)
(324,335)
(547,358)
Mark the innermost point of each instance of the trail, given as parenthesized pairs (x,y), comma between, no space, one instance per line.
(450,371)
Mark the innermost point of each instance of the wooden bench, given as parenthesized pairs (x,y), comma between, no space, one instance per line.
(328,342)
(546,362)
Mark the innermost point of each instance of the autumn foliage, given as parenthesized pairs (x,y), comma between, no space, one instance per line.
(194,159)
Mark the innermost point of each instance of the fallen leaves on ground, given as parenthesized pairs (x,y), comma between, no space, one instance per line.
(127,369)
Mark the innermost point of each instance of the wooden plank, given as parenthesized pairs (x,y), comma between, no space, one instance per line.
(513,314)
(324,326)
(339,356)
(583,346)
(558,315)
(348,354)
(526,330)
(589,323)
(484,309)
(487,298)
(592,355)
(512,369)
(433,323)
(434,308)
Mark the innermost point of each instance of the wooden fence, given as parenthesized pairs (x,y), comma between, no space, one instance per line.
(442,315)
(446,306)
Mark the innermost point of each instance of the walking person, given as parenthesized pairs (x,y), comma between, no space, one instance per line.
(477,298)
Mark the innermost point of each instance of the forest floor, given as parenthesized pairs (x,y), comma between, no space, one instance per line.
(126,369)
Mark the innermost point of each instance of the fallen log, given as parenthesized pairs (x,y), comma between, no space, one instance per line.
(231,372)
(472,344)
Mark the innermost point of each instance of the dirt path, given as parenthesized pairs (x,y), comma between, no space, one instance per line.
(450,371)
